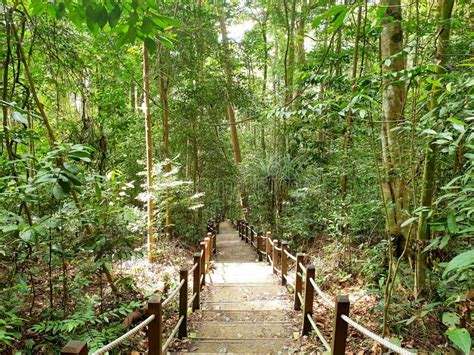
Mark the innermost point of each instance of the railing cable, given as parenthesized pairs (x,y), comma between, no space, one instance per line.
(321,294)
(124,337)
(375,337)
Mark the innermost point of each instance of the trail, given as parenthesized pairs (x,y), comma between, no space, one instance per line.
(244,309)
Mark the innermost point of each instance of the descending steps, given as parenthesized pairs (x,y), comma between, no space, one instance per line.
(244,309)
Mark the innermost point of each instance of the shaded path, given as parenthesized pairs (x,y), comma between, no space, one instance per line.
(244,309)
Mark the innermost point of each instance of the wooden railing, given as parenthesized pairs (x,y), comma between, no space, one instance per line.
(154,321)
(278,256)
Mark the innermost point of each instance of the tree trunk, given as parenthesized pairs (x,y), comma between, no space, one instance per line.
(393,103)
(231,112)
(164,74)
(445,8)
(347,134)
(149,152)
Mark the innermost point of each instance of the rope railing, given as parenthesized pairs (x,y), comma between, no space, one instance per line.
(154,321)
(304,298)
(321,294)
(300,297)
(291,256)
(318,333)
(124,337)
(385,342)
(173,293)
(173,334)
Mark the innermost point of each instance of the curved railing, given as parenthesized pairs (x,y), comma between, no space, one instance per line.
(278,256)
(154,321)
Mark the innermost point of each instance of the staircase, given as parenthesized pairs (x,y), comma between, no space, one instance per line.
(244,309)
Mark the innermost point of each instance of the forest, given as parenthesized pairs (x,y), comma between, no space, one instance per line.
(344,127)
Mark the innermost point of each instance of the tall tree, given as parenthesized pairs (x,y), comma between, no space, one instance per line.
(230,107)
(149,152)
(164,78)
(445,9)
(393,103)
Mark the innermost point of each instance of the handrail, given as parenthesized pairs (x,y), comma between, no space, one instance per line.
(322,294)
(300,297)
(173,333)
(173,293)
(192,299)
(303,268)
(193,268)
(318,333)
(291,256)
(375,337)
(288,282)
(306,274)
(125,336)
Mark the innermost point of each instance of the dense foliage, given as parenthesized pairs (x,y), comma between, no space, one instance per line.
(348,125)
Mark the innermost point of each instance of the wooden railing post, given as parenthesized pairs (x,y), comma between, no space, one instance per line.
(284,262)
(196,277)
(308,300)
(155,328)
(298,281)
(203,263)
(275,256)
(218,226)
(259,246)
(183,303)
(207,240)
(241,230)
(75,347)
(251,235)
(267,246)
(339,335)
(246,232)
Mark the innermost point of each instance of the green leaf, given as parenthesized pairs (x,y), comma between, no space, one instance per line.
(460,261)
(102,17)
(408,221)
(147,26)
(10,228)
(65,186)
(452,225)
(150,45)
(450,319)
(17,116)
(58,192)
(165,41)
(114,16)
(460,338)
(169,21)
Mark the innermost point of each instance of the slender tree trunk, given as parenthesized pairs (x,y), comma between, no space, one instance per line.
(445,8)
(149,153)
(347,134)
(231,112)
(164,74)
(393,103)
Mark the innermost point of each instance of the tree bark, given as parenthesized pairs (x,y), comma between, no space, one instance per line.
(149,153)
(350,118)
(393,103)
(164,73)
(445,8)
(231,112)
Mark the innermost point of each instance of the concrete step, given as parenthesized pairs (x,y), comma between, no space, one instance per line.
(240,346)
(242,330)
(246,292)
(256,316)
(248,305)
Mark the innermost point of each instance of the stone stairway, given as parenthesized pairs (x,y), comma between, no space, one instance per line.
(244,308)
